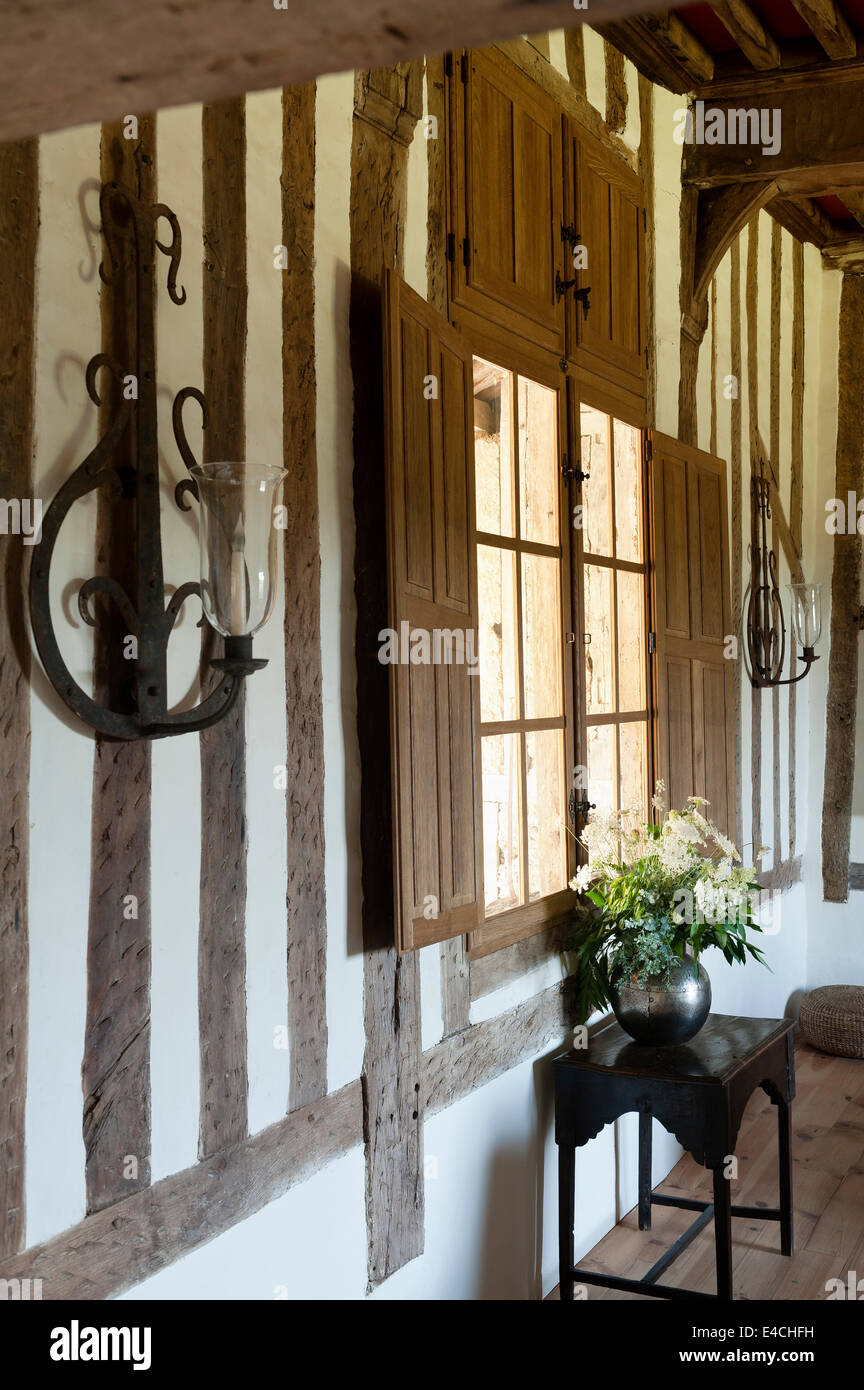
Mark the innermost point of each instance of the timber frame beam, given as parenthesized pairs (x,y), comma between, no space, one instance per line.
(819,117)
(95,62)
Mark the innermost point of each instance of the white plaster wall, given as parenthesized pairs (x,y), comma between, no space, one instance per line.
(176,763)
(68,333)
(334,424)
(834,943)
(490,1188)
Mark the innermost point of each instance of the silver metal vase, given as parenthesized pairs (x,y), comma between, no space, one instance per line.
(663,1009)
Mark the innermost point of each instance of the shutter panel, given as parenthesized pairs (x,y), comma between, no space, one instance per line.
(432,588)
(693,683)
(605,208)
(507,200)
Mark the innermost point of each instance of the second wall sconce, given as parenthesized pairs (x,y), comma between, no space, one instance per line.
(765,621)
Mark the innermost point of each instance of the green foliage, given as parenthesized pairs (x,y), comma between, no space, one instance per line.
(658,892)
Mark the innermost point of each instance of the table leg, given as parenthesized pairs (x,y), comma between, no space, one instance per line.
(566,1217)
(644,1170)
(784,1144)
(723,1232)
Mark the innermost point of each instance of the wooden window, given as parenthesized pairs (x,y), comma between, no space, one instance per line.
(525,628)
(691,586)
(605,213)
(430,647)
(615,747)
(506,199)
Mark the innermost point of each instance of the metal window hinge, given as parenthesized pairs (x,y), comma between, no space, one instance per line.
(451,246)
(652,643)
(463,67)
(574,475)
(448,64)
(649,449)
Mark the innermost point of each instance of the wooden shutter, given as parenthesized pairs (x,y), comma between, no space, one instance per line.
(605,209)
(506,199)
(432,578)
(693,684)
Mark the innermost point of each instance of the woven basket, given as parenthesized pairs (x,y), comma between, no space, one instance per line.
(832,1019)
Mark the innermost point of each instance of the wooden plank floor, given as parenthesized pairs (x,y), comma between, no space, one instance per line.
(828,1192)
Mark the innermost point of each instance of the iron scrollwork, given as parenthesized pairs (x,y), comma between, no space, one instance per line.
(765,650)
(145,612)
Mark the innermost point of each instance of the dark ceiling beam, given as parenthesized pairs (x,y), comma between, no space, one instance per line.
(821,145)
(829,25)
(721,214)
(853,198)
(846,254)
(90,60)
(804,219)
(802,63)
(663,48)
(748,31)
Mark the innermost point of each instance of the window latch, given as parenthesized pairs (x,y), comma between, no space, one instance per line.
(581,807)
(562,286)
(572,475)
(569,235)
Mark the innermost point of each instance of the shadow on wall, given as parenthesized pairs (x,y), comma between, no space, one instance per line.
(510,1261)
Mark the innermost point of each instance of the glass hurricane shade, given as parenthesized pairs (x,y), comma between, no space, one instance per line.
(237,540)
(806,613)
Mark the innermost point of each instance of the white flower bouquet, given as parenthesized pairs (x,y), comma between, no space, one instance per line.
(663,891)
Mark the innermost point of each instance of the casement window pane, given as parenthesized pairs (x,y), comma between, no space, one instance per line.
(632,761)
(544,762)
(631,641)
(538,463)
(601,766)
(628,492)
(493,451)
(502,812)
(541,631)
(596,493)
(599,671)
(496,583)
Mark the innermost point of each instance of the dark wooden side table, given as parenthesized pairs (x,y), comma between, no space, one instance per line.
(698,1091)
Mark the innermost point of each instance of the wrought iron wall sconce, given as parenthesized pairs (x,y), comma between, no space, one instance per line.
(766,624)
(236,534)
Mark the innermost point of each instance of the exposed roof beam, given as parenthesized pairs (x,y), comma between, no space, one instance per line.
(746,86)
(830,26)
(663,48)
(847,254)
(689,51)
(854,201)
(804,219)
(748,31)
(721,213)
(816,129)
(90,60)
